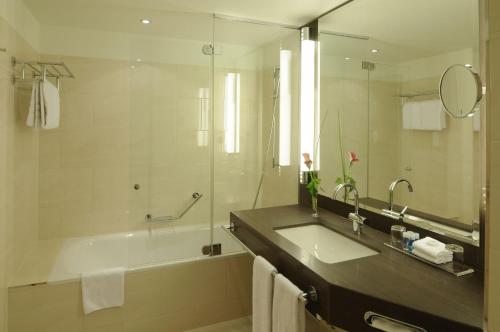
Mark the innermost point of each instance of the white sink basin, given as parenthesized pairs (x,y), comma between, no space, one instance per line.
(325,244)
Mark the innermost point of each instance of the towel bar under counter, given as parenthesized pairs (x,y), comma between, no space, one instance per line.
(311,295)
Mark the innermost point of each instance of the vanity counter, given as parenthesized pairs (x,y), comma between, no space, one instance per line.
(391,284)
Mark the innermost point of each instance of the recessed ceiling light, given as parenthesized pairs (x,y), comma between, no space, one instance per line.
(145,21)
(139,60)
(374,50)
(347,58)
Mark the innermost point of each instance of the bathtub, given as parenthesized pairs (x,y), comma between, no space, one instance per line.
(61,260)
(169,285)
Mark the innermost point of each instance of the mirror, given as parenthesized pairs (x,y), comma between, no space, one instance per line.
(380,100)
(460,91)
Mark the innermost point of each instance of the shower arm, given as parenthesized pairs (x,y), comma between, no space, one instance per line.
(195,197)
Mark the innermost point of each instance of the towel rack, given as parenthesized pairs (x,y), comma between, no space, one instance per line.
(194,198)
(40,71)
(310,296)
(419,94)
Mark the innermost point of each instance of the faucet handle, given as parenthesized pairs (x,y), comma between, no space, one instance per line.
(357,222)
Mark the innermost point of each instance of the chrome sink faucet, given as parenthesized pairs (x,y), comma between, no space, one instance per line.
(357,220)
(392,187)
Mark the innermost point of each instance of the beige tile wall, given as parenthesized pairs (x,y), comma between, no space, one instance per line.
(174,298)
(493,143)
(18,167)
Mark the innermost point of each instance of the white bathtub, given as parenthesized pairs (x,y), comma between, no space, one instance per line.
(52,261)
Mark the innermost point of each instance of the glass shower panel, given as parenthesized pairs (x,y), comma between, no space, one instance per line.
(246,74)
(170,97)
(344,113)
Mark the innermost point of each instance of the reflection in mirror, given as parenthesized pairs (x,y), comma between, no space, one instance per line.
(384,119)
(460,91)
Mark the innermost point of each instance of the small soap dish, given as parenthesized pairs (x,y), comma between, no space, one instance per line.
(456,268)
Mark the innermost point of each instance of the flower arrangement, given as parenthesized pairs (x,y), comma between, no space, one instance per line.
(313,183)
(346,170)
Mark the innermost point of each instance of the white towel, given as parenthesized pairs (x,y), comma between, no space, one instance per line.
(262,295)
(44,110)
(103,289)
(424,115)
(51,105)
(429,246)
(411,116)
(34,111)
(288,309)
(433,115)
(445,256)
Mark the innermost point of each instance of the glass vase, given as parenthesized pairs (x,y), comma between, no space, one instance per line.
(314,205)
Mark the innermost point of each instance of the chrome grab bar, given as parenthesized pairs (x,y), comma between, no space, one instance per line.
(195,198)
(388,323)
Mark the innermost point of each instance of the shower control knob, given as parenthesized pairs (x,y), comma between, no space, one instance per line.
(137,186)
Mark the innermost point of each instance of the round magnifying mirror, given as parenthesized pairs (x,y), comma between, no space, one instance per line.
(460,90)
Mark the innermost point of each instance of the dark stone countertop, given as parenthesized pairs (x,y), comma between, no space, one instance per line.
(390,276)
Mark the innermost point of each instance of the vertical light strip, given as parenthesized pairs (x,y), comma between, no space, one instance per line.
(232,113)
(285,107)
(203,94)
(307,104)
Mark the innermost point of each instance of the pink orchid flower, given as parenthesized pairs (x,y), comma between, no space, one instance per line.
(307,160)
(352,157)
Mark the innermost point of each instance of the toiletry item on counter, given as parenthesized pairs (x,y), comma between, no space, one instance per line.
(408,239)
(432,250)
(457,250)
(397,235)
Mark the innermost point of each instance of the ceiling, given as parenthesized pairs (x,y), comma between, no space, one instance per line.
(167,15)
(402,30)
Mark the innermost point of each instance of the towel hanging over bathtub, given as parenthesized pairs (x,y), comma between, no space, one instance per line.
(103,289)
(45,108)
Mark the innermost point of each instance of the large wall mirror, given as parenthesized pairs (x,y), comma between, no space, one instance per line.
(381,68)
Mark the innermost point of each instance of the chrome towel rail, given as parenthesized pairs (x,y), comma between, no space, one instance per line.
(195,197)
(310,296)
(39,71)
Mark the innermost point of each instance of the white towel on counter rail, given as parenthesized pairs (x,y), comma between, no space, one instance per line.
(103,289)
(288,309)
(262,295)
(44,111)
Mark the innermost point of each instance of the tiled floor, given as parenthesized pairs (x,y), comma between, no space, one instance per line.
(237,325)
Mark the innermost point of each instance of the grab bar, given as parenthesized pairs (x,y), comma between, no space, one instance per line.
(310,296)
(195,198)
(387,323)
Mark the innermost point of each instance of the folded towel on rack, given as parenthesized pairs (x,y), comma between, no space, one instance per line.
(44,110)
(262,295)
(288,309)
(432,250)
(103,289)
(51,105)
(34,115)
(424,115)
